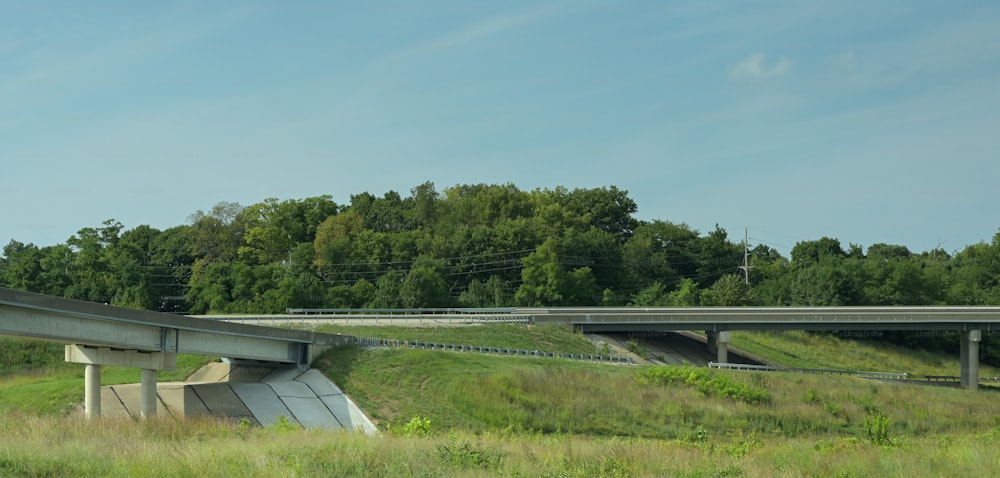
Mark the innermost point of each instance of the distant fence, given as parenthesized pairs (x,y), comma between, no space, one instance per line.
(375,342)
(771,368)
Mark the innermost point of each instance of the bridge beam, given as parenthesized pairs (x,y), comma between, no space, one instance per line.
(95,357)
(970,358)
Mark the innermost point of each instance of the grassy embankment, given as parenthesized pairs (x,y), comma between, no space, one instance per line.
(549,417)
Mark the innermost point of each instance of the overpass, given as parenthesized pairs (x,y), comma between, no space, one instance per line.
(717,322)
(99,334)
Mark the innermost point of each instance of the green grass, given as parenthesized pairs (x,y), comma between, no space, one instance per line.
(47,446)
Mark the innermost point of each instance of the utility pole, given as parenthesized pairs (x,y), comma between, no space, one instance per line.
(746,256)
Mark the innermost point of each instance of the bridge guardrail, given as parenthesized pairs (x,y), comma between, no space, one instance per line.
(377,342)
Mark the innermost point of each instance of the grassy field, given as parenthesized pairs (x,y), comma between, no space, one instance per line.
(197,448)
(467,414)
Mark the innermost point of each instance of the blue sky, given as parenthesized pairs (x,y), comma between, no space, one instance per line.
(865,121)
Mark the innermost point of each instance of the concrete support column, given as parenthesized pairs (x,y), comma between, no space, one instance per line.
(722,346)
(147,393)
(718,344)
(92,391)
(970,358)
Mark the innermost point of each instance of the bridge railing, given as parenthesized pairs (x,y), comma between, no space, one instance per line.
(378,342)
(771,368)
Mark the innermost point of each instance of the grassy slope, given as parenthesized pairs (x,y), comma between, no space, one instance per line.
(481,393)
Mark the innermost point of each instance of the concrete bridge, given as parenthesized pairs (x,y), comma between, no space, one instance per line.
(99,334)
(717,322)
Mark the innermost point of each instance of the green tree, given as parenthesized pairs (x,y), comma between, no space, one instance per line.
(806,253)
(491,293)
(218,234)
(20,267)
(274,229)
(730,290)
(826,283)
(92,278)
(424,286)
(546,282)
(653,295)
(687,294)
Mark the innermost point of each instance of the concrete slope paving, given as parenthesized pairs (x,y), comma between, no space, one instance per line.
(262,394)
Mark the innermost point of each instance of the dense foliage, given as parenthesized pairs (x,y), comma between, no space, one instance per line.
(475,246)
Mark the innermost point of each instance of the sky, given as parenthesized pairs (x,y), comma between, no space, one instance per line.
(870,122)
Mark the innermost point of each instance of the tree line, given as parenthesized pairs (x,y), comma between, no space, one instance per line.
(475,245)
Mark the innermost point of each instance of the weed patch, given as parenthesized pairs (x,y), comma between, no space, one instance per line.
(705,381)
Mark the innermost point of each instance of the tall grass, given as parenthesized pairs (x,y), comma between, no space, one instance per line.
(46,446)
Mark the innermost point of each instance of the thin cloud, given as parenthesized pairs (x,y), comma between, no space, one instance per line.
(846,61)
(756,67)
(493,26)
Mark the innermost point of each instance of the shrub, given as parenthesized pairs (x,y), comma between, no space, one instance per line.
(417,426)
(705,381)
(466,456)
(877,428)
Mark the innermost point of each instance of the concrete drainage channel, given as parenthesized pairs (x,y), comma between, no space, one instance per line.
(260,393)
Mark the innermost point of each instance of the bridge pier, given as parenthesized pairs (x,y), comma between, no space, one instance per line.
(718,343)
(92,391)
(970,358)
(95,357)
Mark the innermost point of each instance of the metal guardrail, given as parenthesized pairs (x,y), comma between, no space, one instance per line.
(372,319)
(376,342)
(771,368)
(450,310)
(957,379)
